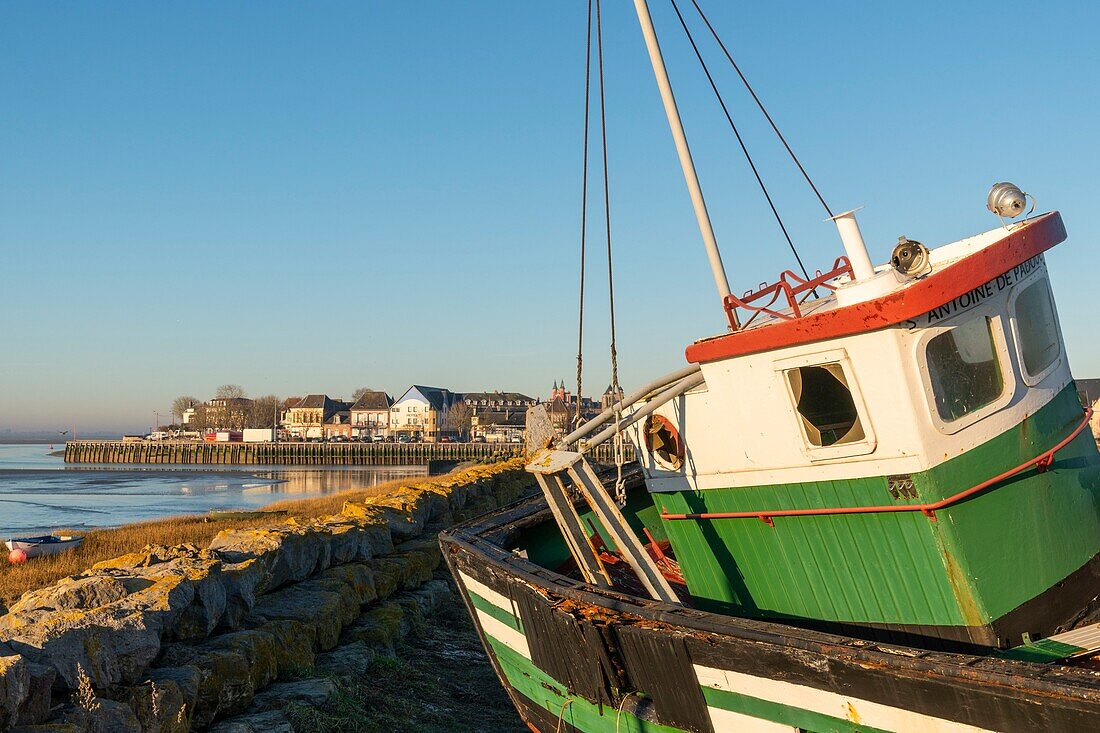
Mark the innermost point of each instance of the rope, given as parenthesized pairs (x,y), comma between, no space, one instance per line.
(761,106)
(620,452)
(567,703)
(584,211)
(740,141)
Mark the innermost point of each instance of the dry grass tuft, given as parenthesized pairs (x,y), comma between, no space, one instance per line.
(104,544)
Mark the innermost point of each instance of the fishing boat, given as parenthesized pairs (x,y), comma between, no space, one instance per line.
(44,545)
(871,504)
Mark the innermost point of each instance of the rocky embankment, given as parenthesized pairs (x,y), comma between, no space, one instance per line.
(223,638)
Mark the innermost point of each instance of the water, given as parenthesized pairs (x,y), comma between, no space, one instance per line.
(40,494)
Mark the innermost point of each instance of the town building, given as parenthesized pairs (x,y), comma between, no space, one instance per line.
(338,426)
(224,413)
(610,397)
(481,401)
(500,426)
(307,417)
(370,415)
(421,412)
(589,407)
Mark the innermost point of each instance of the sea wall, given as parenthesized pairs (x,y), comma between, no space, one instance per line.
(299,454)
(219,638)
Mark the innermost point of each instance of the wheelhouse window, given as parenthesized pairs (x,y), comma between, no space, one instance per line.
(825,405)
(963,369)
(1035,327)
(663,442)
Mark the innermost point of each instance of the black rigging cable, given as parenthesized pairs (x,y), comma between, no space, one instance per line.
(606,198)
(584,212)
(760,104)
(740,141)
(620,493)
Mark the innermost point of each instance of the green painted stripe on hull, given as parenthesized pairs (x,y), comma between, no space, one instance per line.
(1044,650)
(785,714)
(983,557)
(498,613)
(547,693)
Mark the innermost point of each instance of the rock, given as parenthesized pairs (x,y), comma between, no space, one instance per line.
(15,684)
(380,627)
(294,642)
(350,659)
(344,539)
(244,582)
(100,715)
(389,575)
(321,611)
(349,599)
(48,728)
(85,593)
(273,721)
(232,668)
(433,595)
(405,511)
(159,706)
(314,692)
(111,645)
(288,553)
(36,707)
(187,679)
(358,576)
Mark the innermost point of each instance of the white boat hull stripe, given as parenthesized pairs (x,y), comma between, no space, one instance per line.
(727,720)
(499,600)
(832,704)
(503,633)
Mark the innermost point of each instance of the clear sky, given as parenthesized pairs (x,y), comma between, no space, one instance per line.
(303,197)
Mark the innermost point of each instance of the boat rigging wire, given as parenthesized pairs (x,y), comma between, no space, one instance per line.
(584,213)
(740,140)
(620,452)
(760,104)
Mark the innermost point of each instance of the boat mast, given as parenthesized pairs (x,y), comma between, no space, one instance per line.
(690,177)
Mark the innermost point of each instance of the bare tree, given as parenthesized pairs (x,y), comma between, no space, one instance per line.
(181,404)
(229,391)
(264,412)
(458,418)
(358,394)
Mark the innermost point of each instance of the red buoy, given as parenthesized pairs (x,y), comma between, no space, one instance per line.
(17,557)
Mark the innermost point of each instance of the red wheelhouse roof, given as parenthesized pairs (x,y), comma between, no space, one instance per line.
(941,286)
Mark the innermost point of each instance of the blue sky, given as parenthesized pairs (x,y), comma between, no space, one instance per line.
(316,197)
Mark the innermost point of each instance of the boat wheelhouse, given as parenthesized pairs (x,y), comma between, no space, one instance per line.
(911,459)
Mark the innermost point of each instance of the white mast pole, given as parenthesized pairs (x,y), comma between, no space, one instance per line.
(690,177)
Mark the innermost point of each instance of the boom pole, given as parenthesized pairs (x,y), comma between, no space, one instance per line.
(686,163)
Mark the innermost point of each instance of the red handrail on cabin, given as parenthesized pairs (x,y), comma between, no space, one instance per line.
(785,286)
(1043,461)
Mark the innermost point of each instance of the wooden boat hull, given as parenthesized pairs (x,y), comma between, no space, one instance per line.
(574,658)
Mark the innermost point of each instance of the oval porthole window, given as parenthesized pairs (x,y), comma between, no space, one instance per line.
(663,442)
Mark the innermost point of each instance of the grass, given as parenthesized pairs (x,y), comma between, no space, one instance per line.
(104,544)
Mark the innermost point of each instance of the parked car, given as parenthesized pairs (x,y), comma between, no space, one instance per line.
(446,439)
(478,439)
(515,439)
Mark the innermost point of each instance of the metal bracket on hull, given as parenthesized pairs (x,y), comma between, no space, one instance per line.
(548,466)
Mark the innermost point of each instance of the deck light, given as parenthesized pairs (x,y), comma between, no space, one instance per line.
(1006,200)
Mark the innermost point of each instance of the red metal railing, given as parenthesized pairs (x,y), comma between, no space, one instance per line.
(795,289)
(1043,461)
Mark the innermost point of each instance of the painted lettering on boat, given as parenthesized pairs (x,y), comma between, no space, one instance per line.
(978,295)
